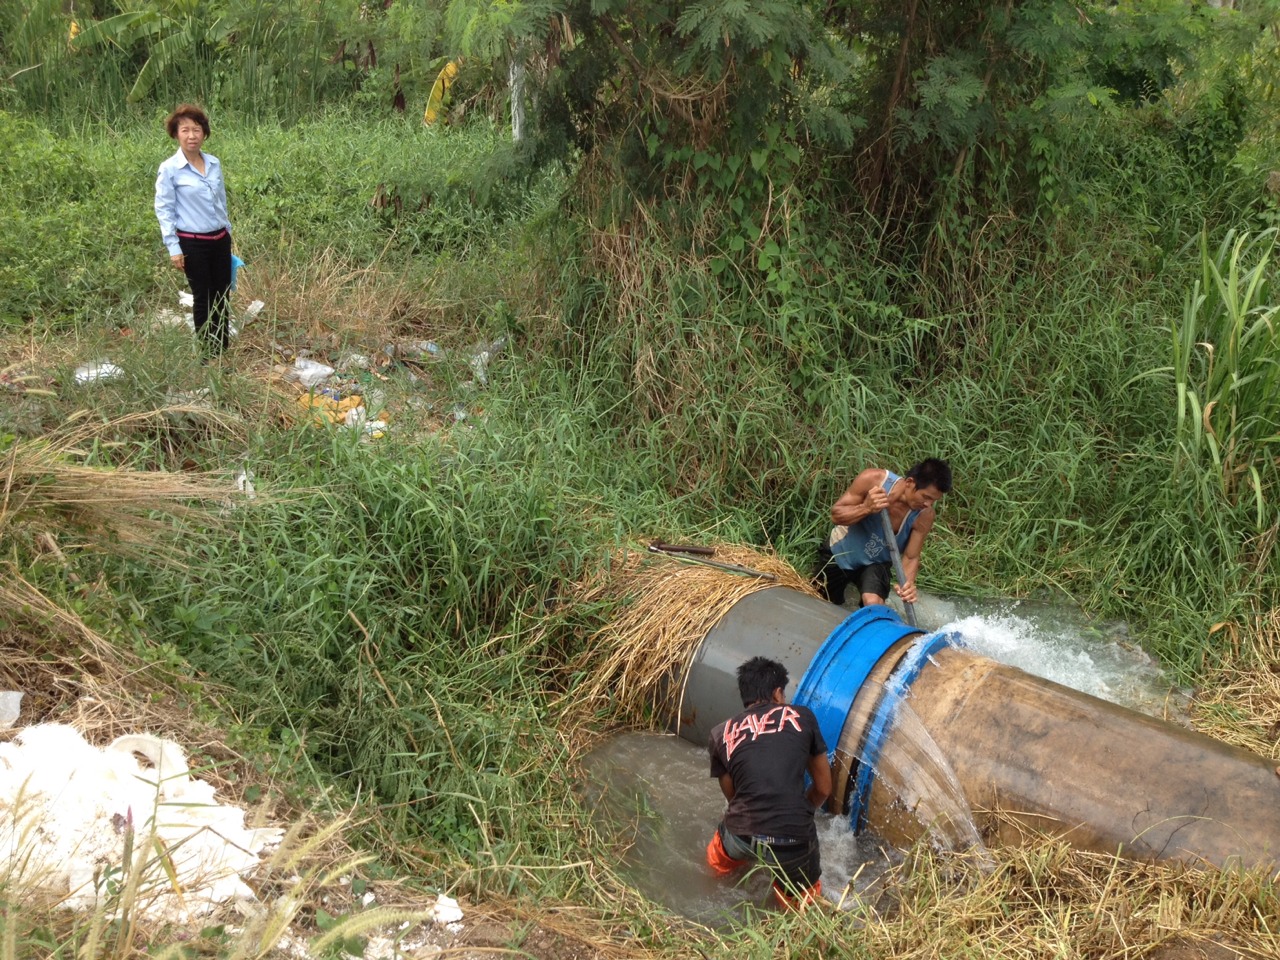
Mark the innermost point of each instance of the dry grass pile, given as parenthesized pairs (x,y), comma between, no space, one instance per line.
(52,505)
(1046,899)
(1240,701)
(326,295)
(666,606)
(45,487)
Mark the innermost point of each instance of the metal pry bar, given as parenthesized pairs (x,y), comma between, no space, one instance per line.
(699,555)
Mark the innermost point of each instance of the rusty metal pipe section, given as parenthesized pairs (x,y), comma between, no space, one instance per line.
(1041,755)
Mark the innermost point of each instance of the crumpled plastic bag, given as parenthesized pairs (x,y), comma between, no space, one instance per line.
(447,912)
(10,707)
(310,373)
(94,372)
(251,313)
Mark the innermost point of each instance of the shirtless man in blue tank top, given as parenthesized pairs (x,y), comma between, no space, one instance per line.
(857,552)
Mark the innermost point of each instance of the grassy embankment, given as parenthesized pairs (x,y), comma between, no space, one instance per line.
(385,617)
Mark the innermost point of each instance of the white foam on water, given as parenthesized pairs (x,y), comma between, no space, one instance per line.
(852,864)
(1019,643)
(1056,643)
(653,792)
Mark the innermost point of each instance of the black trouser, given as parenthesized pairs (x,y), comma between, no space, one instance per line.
(830,579)
(796,864)
(207,264)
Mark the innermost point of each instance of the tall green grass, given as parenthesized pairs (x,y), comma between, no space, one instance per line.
(269,60)
(81,238)
(1227,370)
(389,613)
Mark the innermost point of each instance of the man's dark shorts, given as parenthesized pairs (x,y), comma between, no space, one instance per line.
(796,864)
(831,579)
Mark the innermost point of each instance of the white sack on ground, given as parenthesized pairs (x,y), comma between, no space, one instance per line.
(66,808)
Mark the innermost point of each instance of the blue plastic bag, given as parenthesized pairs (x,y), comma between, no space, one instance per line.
(236,264)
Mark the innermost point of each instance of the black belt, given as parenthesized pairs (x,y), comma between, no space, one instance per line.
(773,841)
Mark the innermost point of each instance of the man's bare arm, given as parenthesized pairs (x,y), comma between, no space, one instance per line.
(911,556)
(864,497)
(726,786)
(820,773)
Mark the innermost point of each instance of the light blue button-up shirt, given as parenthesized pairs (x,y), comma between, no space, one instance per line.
(189,202)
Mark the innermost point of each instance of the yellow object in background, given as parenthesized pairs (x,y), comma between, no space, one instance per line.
(438,90)
(324,407)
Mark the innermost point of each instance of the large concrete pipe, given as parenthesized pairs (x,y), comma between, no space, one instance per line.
(1046,756)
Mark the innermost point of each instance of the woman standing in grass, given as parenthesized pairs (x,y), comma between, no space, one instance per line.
(191,205)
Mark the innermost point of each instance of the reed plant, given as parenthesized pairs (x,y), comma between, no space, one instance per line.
(1226,374)
(266,59)
(402,617)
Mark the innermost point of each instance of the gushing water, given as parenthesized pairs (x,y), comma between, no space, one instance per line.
(652,795)
(914,769)
(1059,644)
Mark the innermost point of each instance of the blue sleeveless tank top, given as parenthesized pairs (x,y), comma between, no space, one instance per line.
(864,543)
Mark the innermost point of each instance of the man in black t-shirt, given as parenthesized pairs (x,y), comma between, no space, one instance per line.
(760,758)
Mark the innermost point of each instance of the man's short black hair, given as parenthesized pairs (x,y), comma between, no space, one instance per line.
(931,473)
(758,678)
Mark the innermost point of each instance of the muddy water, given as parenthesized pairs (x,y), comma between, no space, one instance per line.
(652,794)
(655,793)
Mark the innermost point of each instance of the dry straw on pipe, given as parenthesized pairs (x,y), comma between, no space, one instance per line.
(666,609)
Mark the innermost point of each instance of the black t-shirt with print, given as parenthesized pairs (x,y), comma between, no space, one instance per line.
(766,749)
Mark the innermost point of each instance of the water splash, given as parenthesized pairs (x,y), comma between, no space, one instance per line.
(854,865)
(913,768)
(1058,643)
(652,795)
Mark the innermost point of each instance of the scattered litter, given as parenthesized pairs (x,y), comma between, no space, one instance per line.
(375,399)
(329,405)
(447,912)
(75,809)
(408,940)
(459,412)
(358,419)
(368,898)
(10,708)
(349,361)
(480,360)
(236,264)
(413,350)
(309,372)
(94,372)
(251,313)
(244,483)
(172,318)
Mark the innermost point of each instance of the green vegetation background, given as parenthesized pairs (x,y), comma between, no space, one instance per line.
(678,362)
